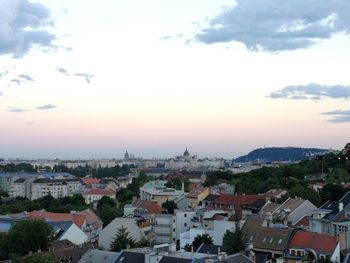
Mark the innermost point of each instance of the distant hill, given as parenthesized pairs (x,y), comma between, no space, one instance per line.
(271,154)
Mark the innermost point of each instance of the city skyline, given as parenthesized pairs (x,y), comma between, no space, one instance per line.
(89,80)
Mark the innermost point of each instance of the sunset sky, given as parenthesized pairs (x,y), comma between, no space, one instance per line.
(90,79)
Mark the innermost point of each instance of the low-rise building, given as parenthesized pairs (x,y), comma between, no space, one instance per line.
(95,194)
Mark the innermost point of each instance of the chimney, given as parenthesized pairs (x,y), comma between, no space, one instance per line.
(183,187)
(341,206)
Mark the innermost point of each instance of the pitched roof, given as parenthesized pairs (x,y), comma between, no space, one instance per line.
(150,206)
(97,191)
(333,206)
(194,193)
(266,238)
(100,256)
(90,180)
(321,243)
(130,257)
(303,222)
(167,259)
(211,198)
(238,258)
(238,199)
(78,219)
(210,249)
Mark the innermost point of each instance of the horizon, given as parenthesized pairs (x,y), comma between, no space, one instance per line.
(86,79)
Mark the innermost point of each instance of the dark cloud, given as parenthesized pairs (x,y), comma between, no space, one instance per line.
(338,116)
(276,25)
(46,107)
(312,91)
(86,76)
(16,109)
(23,25)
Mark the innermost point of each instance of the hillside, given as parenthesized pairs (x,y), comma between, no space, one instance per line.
(271,154)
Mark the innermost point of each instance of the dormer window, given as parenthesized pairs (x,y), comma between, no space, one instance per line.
(271,240)
(264,240)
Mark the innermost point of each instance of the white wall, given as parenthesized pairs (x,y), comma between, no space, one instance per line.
(336,254)
(75,235)
(220,228)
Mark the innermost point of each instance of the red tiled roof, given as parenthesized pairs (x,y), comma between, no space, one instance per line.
(58,217)
(193,186)
(237,199)
(91,180)
(318,242)
(97,191)
(150,206)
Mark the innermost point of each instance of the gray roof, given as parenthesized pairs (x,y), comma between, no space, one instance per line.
(99,256)
(167,259)
(210,249)
(238,258)
(130,257)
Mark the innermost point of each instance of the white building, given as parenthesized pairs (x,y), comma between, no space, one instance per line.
(69,231)
(57,188)
(95,194)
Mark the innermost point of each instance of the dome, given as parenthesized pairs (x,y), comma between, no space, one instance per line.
(186,153)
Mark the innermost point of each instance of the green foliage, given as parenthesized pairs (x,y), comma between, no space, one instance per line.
(332,192)
(124,195)
(233,242)
(177,184)
(144,242)
(50,204)
(170,206)
(99,172)
(26,236)
(37,259)
(188,247)
(20,167)
(201,239)
(107,210)
(122,240)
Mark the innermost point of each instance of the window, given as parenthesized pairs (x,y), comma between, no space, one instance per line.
(185,215)
(264,240)
(280,241)
(298,253)
(173,229)
(185,224)
(292,252)
(174,239)
(271,240)
(251,238)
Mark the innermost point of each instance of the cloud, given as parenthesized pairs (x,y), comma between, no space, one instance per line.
(86,76)
(16,109)
(275,25)
(22,79)
(46,107)
(1,93)
(338,116)
(63,71)
(312,91)
(23,24)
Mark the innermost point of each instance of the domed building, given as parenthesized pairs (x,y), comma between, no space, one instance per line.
(186,155)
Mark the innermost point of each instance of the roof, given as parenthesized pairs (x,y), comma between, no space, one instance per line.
(20,180)
(130,257)
(303,222)
(150,206)
(196,192)
(238,258)
(321,243)
(60,228)
(333,206)
(266,238)
(261,257)
(50,180)
(167,259)
(100,256)
(90,180)
(210,249)
(97,191)
(78,219)
(211,198)
(238,199)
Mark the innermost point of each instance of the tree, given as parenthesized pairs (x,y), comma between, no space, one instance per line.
(188,247)
(122,240)
(233,241)
(170,206)
(39,259)
(201,239)
(29,235)
(105,201)
(144,242)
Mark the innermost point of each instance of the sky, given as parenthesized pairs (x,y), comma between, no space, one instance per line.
(91,79)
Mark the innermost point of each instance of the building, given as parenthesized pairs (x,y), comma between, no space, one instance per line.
(66,251)
(197,195)
(100,256)
(57,188)
(333,218)
(150,207)
(67,230)
(137,228)
(289,212)
(157,191)
(86,220)
(95,194)
(308,246)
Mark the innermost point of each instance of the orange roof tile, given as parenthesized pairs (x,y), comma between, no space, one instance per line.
(150,206)
(97,191)
(90,180)
(316,241)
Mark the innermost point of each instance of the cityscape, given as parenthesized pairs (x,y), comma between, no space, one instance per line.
(174,131)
